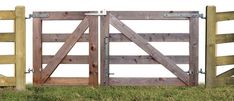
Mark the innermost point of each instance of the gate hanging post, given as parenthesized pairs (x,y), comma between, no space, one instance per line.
(210,46)
(20,46)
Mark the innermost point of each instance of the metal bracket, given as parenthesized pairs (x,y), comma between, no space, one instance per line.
(181,15)
(201,71)
(29,71)
(38,15)
(99,13)
(202,16)
(189,72)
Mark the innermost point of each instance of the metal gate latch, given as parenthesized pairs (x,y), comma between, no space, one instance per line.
(201,71)
(38,15)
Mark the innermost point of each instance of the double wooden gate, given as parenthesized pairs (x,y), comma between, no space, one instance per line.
(42,76)
(155,57)
(18,37)
(213,38)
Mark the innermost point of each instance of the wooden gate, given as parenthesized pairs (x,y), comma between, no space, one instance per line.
(18,37)
(212,38)
(155,57)
(42,76)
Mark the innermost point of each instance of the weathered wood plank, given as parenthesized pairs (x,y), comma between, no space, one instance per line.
(7,15)
(7,81)
(228,73)
(193,50)
(138,40)
(224,60)
(61,15)
(152,15)
(69,59)
(7,59)
(146,81)
(7,37)
(224,38)
(119,37)
(210,46)
(223,16)
(137,59)
(37,51)
(20,48)
(105,49)
(67,81)
(144,59)
(93,50)
(62,37)
(63,51)
(152,37)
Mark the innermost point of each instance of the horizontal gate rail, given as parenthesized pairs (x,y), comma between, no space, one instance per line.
(18,37)
(42,76)
(212,39)
(141,39)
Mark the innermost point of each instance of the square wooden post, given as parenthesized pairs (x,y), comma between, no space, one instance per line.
(210,46)
(20,46)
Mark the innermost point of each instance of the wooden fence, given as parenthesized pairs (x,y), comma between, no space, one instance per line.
(42,76)
(155,57)
(18,37)
(212,39)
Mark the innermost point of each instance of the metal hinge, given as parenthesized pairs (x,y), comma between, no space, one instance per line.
(99,13)
(188,15)
(29,71)
(201,71)
(38,15)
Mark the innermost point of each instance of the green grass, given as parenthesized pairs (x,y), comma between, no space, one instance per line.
(123,93)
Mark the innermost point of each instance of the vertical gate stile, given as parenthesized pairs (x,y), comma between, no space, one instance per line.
(37,50)
(20,46)
(193,50)
(93,50)
(105,50)
(210,46)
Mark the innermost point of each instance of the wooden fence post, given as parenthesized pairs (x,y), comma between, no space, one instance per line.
(210,46)
(20,47)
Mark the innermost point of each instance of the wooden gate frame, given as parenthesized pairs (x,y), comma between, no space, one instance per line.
(42,76)
(126,35)
(18,37)
(212,38)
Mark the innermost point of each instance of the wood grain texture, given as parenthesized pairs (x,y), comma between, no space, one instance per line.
(7,59)
(146,81)
(7,15)
(7,37)
(193,50)
(63,51)
(224,38)
(67,81)
(105,49)
(69,59)
(37,51)
(210,46)
(7,81)
(119,37)
(93,50)
(20,48)
(224,60)
(145,59)
(151,15)
(223,16)
(138,40)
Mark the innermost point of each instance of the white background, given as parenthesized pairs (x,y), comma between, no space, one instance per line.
(118,48)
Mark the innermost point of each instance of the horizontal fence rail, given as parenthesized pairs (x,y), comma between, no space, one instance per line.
(18,37)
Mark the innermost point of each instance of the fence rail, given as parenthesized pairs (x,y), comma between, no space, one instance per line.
(18,37)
